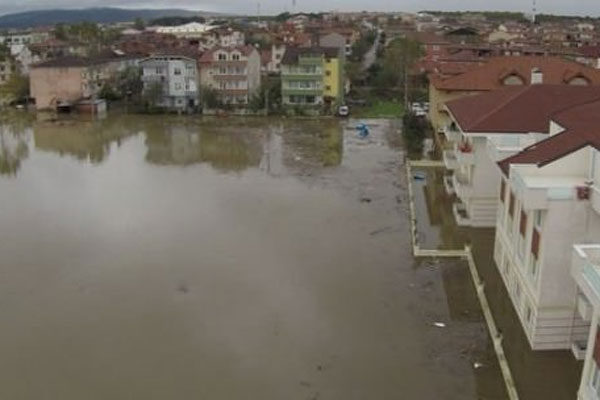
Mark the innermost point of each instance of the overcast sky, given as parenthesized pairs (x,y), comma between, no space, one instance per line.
(580,7)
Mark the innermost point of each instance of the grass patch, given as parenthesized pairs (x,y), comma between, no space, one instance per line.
(379,109)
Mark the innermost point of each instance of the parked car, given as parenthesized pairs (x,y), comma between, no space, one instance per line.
(343,111)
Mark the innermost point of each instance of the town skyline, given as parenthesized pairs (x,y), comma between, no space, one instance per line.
(584,8)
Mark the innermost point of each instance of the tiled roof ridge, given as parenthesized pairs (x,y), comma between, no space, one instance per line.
(500,106)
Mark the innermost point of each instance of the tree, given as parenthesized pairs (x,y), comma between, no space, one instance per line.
(153,95)
(398,60)
(210,98)
(16,89)
(268,96)
(139,24)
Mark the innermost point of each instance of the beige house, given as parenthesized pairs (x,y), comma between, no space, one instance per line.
(233,72)
(65,81)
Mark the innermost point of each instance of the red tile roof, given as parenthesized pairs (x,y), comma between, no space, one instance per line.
(519,109)
(582,129)
(490,76)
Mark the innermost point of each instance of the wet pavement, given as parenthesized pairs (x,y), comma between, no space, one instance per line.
(173,257)
(538,375)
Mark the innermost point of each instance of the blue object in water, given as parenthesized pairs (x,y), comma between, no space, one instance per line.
(363,130)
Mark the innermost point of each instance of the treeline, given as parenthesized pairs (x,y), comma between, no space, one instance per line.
(489,15)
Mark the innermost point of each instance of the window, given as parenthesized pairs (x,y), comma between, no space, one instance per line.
(311,99)
(222,57)
(327,73)
(222,70)
(235,57)
(327,87)
(537,219)
(178,86)
(159,71)
(177,71)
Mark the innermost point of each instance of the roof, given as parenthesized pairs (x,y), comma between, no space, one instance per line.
(520,109)
(581,123)
(292,54)
(490,75)
(81,62)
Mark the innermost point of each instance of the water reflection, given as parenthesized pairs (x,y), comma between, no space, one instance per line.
(234,150)
(85,139)
(15,135)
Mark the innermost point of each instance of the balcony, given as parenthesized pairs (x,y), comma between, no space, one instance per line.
(461,215)
(585,268)
(465,154)
(449,184)
(450,160)
(498,152)
(462,186)
(452,134)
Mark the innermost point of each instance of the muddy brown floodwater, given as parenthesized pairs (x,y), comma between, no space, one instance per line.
(178,258)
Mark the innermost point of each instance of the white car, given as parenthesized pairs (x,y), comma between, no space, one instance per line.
(344,111)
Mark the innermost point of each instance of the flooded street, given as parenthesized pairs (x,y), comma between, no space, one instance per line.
(165,257)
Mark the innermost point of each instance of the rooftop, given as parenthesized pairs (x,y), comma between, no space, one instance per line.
(521,109)
(491,75)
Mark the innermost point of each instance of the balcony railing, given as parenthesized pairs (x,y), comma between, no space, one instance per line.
(585,268)
(460,214)
(449,184)
(500,148)
(450,160)
(462,185)
(465,154)
(453,135)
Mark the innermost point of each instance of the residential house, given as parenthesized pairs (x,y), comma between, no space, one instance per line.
(271,59)
(176,76)
(233,72)
(190,30)
(67,80)
(312,77)
(490,127)
(499,72)
(549,203)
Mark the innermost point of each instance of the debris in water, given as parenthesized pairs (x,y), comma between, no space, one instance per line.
(477,365)
(365,200)
(439,324)
(183,288)
(419,176)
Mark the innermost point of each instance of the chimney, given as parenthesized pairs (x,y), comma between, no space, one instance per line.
(537,76)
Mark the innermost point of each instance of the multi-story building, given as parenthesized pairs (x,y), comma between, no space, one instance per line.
(65,81)
(233,72)
(550,201)
(493,126)
(312,77)
(176,76)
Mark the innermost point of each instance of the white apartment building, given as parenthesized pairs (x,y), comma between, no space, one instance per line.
(549,201)
(178,78)
(490,127)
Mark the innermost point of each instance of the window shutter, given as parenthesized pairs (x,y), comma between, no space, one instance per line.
(502,190)
(523,224)
(511,205)
(535,244)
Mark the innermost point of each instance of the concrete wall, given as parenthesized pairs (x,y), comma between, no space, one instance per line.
(49,85)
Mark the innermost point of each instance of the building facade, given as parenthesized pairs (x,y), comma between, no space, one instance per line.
(313,77)
(175,79)
(233,72)
(549,202)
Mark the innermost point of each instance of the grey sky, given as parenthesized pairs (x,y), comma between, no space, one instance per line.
(581,7)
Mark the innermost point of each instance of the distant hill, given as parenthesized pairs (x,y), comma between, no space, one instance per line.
(97,15)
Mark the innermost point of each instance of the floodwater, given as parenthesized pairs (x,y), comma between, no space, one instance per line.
(538,375)
(177,258)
